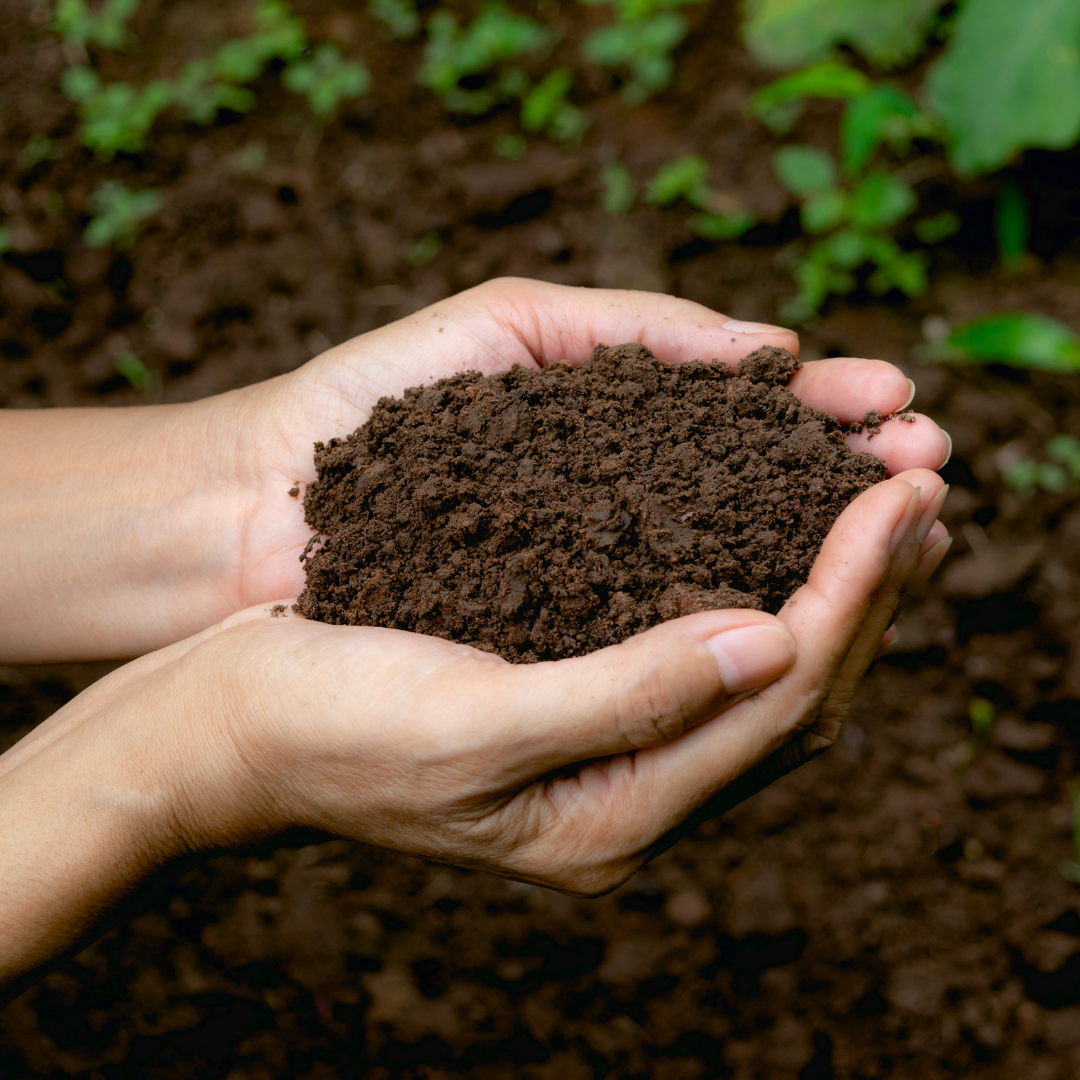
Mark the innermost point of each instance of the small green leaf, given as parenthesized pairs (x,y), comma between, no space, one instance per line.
(1019,338)
(879,201)
(398,16)
(804,170)
(982,715)
(511,146)
(118,213)
(1009,79)
(326,79)
(424,250)
(771,103)
(933,230)
(722,226)
(1012,221)
(644,46)
(543,102)
(680,179)
(823,210)
(80,83)
(620,191)
(137,373)
(869,119)
(1066,450)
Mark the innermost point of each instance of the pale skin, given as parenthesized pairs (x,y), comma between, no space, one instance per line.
(127,532)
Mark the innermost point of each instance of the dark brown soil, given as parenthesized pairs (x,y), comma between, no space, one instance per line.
(894,911)
(543,514)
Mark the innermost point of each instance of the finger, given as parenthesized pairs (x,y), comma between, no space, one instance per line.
(849,388)
(650,689)
(902,445)
(934,554)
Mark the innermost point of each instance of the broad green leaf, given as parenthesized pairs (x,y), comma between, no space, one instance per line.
(1012,221)
(1019,338)
(804,169)
(823,210)
(869,119)
(772,103)
(784,33)
(879,201)
(1009,79)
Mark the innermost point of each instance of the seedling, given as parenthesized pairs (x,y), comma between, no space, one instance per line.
(326,79)
(687,179)
(398,16)
(39,148)
(78,25)
(545,108)
(1018,338)
(1057,476)
(117,214)
(620,191)
(138,374)
(982,715)
(458,64)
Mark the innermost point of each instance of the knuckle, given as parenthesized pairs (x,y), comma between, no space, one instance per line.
(651,710)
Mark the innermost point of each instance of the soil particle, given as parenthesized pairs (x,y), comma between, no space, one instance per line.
(277,611)
(543,514)
(294,491)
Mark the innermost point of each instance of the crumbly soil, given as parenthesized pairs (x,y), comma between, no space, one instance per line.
(546,513)
(893,911)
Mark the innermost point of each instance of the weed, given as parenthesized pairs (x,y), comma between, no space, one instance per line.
(620,191)
(458,64)
(398,16)
(326,79)
(545,108)
(78,25)
(117,214)
(138,374)
(1057,476)
(687,179)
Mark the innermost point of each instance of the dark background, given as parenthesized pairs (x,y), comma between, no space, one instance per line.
(893,910)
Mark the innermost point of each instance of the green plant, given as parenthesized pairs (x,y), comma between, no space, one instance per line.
(398,16)
(545,108)
(77,24)
(1056,476)
(138,374)
(620,191)
(686,179)
(982,715)
(1012,223)
(326,79)
(117,214)
(853,221)
(459,64)
(1017,338)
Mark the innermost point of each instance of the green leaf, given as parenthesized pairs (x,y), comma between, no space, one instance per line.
(804,170)
(784,33)
(681,179)
(772,103)
(1019,338)
(543,102)
(1009,79)
(933,230)
(398,16)
(117,213)
(879,201)
(1012,221)
(823,210)
(722,226)
(1065,449)
(868,121)
(644,46)
(620,191)
(326,79)
(137,373)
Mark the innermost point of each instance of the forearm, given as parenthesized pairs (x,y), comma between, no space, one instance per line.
(117,529)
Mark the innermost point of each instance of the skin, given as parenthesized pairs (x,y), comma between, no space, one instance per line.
(128,531)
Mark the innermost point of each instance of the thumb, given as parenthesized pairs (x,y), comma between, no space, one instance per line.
(647,690)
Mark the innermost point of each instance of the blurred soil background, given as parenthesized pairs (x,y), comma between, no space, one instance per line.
(895,909)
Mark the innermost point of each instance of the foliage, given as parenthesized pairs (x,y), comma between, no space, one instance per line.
(620,191)
(117,214)
(644,46)
(779,104)
(453,56)
(1058,475)
(1009,79)
(784,33)
(1012,223)
(687,179)
(77,24)
(398,16)
(1018,338)
(138,374)
(326,79)
(545,108)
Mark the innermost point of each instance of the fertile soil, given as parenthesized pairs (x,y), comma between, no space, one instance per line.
(543,514)
(893,911)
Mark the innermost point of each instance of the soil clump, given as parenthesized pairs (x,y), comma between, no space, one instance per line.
(544,514)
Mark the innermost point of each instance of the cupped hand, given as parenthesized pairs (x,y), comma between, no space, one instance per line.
(490,329)
(570,773)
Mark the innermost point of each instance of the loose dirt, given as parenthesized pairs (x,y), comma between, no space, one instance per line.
(542,514)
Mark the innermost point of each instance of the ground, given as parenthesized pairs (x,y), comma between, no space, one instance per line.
(895,909)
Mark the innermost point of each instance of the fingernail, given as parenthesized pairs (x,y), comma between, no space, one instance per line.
(737,326)
(903,526)
(911,396)
(948,449)
(888,640)
(930,514)
(751,656)
(929,562)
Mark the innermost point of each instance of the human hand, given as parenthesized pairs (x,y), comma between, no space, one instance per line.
(490,329)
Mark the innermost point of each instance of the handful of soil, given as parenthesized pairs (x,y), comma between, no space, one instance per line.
(543,514)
